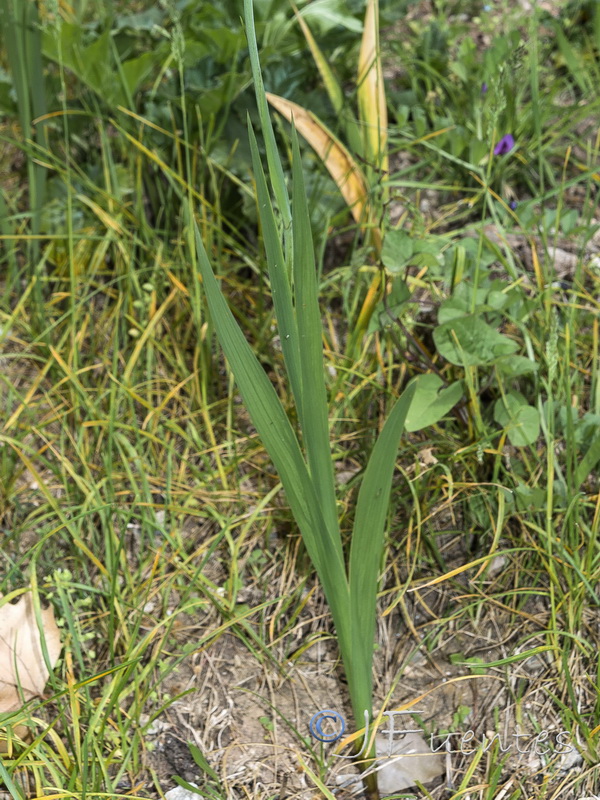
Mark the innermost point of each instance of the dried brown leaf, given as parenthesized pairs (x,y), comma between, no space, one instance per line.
(344,170)
(23,671)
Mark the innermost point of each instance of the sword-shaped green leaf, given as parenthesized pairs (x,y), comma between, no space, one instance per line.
(280,285)
(368,535)
(314,416)
(279,439)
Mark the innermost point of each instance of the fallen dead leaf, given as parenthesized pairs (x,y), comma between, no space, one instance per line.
(23,670)
(426,457)
(343,168)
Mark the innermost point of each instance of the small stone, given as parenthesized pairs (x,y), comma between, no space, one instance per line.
(180,793)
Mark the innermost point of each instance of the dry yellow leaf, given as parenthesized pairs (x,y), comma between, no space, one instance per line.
(23,671)
(371,91)
(344,170)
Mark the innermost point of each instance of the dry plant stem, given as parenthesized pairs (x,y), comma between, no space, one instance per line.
(364,317)
(372,790)
(362,323)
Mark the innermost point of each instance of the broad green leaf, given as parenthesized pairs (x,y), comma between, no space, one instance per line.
(586,429)
(425,258)
(397,250)
(90,64)
(94,64)
(366,548)
(529,498)
(429,251)
(135,70)
(391,307)
(514,366)
(469,341)
(520,420)
(431,401)
(140,21)
(328,14)
(460,304)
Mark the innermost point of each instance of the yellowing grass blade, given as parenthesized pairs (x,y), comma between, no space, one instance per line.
(334,90)
(344,170)
(351,127)
(371,91)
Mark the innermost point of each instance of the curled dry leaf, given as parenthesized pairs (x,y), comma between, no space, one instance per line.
(342,167)
(23,670)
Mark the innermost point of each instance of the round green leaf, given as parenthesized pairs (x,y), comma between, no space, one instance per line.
(397,250)
(431,402)
(517,365)
(469,341)
(520,420)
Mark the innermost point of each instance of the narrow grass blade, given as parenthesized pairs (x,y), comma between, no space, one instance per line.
(573,60)
(344,170)
(514,659)
(314,416)
(19,24)
(333,88)
(316,780)
(274,161)
(368,537)
(14,789)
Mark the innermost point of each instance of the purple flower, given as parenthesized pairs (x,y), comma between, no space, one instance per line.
(484,88)
(513,205)
(505,145)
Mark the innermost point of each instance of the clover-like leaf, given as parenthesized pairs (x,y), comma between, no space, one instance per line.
(431,402)
(520,420)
